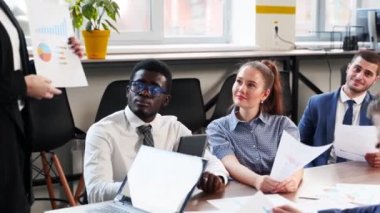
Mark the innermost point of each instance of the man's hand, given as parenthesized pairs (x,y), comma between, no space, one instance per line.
(210,183)
(373,159)
(75,46)
(40,87)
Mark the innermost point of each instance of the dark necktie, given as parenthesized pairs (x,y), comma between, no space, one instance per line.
(347,119)
(146,130)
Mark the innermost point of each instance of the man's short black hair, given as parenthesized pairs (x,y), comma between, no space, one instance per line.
(370,56)
(154,65)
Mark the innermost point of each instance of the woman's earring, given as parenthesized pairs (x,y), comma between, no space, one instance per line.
(262,101)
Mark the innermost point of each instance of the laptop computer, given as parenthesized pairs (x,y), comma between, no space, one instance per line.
(193,145)
(122,201)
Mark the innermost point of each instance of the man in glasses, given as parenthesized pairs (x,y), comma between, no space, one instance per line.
(113,142)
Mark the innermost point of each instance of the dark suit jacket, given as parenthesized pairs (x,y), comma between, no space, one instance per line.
(317,124)
(15,183)
(364,209)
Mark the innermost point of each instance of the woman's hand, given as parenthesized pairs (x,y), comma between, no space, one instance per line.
(40,87)
(75,46)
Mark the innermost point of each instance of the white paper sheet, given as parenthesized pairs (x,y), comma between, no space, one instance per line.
(353,142)
(357,194)
(159,180)
(232,204)
(253,203)
(263,203)
(50,28)
(293,155)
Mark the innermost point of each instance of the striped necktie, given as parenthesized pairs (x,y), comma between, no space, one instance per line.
(146,130)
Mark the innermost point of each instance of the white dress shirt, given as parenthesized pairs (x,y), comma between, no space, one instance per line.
(113,142)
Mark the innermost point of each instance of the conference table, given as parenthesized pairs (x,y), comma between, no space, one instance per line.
(314,179)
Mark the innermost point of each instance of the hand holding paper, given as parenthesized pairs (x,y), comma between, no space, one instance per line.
(293,155)
(50,28)
(353,142)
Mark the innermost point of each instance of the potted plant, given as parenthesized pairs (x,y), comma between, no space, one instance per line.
(100,15)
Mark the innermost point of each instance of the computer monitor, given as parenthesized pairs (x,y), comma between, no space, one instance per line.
(369,18)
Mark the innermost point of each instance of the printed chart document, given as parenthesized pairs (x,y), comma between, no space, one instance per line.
(160,181)
(355,194)
(293,155)
(353,142)
(50,28)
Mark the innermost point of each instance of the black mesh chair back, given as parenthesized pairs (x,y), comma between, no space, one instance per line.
(114,99)
(224,102)
(51,123)
(187,103)
(286,92)
(50,126)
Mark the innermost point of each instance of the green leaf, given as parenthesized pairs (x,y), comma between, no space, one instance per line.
(94,12)
(89,12)
(111,25)
(105,26)
(89,26)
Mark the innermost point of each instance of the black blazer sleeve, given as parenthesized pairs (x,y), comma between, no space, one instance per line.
(12,83)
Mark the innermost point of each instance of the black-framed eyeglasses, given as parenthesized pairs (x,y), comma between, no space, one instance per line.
(138,86)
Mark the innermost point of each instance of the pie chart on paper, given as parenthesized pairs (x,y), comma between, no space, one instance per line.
(44,52)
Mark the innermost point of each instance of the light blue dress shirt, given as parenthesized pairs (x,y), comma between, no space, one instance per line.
(253,143)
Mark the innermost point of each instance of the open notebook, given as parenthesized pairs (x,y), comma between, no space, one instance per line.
(158,181)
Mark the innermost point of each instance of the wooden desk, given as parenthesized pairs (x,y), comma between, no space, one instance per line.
(314,178)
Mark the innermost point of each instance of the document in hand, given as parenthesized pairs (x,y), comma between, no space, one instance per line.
(162,181)
(353,142)
(293,155)
(50,28)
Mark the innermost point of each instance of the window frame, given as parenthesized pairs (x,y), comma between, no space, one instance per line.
(156,35)
(320,22)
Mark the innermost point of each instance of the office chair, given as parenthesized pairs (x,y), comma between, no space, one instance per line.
(114,99)
(223,101)
(286,92)
(50,126)
(187,104)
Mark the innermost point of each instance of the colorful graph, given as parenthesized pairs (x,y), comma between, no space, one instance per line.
(44,52)
(55,30)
